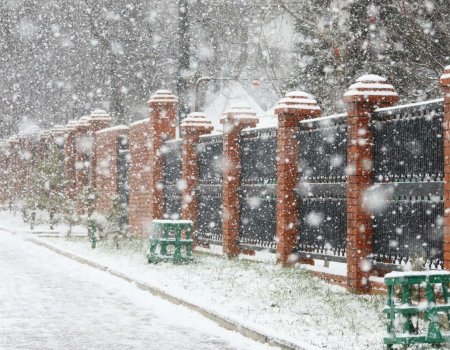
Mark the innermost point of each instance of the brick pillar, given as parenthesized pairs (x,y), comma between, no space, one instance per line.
(234,121)
(445,83)
(98,120)
(69,162)
(82,146)
(291,110)
(139,177)
(195,125)
(163,121)
(368,93)
(107,144)
(24,171)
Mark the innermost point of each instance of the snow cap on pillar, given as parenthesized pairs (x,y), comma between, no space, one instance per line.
(242,116)
(45,135)
(99,119)
(162,97)
(445,77)
(298,103)
(371,89)
(99,114)
(71,125)
(58,129)
(83,124)
(196,122)
(58,133)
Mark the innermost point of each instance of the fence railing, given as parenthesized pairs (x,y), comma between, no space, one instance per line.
(408,166)
(172,169)
(210,151)
(323,161)
(389,162)
(408,144)
(257,193)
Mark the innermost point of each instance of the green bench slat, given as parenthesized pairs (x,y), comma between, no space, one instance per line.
(416,309)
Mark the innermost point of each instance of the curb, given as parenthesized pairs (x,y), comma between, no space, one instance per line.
(221,321)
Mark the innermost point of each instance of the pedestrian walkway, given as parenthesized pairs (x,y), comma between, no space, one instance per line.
(50,302)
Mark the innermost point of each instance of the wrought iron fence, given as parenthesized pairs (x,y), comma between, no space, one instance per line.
(257,190)
(323,149)
(172,167)
(408,144)
(322,203)
(408,158)
(258,216)
(408,229)
(322,227)
(122,174)
(210,150)
(210,214)
(258,156)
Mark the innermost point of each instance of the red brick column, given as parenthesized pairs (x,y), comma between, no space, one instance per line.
(107,155)
(69,162)
(368,93)
(163,121)
(233,122)
(82,147)
(292,109)
(195,125)
(24,170)
(139,177)
(98,120)
(445,83)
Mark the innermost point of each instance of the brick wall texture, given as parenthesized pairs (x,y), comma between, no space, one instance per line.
(107,167)
(139,177)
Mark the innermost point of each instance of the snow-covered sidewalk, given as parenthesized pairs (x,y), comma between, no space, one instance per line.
(284,303)
(50,302)
(288,304)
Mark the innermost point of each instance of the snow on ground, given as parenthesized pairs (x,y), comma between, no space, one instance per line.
(284,303)
(51,302)
(13,222)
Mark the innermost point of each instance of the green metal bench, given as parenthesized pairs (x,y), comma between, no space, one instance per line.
(419,296)
(167,233)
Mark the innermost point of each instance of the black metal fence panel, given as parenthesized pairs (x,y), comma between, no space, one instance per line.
(257,190)
(408,157)
(210,214)
(323,149)
(408,229)
(323,226)
(172,167)
(258,216)
(172,160)
(408,143)
(172,202)
(123,169)
(258,156)
(210,151)
(322,189)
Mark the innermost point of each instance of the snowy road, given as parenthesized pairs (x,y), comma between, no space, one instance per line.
(50,302)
